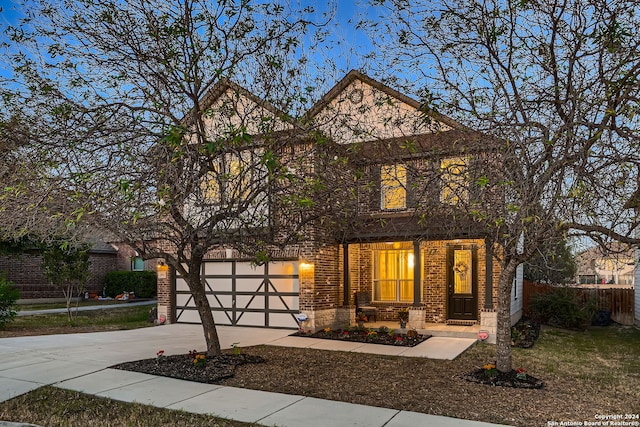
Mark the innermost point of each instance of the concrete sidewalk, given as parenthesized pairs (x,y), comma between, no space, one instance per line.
(61,360)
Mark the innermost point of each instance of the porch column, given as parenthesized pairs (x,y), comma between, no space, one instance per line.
(488,289)
(346,276)
(417,274)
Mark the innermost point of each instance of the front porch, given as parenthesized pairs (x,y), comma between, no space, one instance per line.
(450,280)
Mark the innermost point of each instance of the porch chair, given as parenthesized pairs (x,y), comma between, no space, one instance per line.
(363,304)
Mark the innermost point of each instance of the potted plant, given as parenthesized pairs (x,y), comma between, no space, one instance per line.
(403,316)
(360,319)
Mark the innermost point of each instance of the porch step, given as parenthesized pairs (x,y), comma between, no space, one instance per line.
(449,333)
(452,331)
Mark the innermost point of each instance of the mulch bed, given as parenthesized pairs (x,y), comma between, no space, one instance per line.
(370,336)
(212,370)
(503,379)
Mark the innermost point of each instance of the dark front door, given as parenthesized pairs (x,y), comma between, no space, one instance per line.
(462,280)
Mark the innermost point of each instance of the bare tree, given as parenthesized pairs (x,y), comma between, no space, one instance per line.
(554,86)
(163,122)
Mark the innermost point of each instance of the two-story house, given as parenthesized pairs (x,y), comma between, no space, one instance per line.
(407,241)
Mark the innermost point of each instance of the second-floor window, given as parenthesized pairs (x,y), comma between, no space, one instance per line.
(393,187)
(230,181)
(453,172)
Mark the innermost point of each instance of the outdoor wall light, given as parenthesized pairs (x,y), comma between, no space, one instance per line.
(306,264)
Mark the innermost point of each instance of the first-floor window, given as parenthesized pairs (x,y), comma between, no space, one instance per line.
(137,263)
(393,275)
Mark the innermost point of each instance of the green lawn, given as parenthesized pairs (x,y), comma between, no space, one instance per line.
(85,321)
(47,306)
(50,406)
(608,356)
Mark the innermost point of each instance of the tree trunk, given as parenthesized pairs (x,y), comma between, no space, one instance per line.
(503,336)
(198,287)
(67,297)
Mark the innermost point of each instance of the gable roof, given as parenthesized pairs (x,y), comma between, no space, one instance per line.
(354,75)
(222,86)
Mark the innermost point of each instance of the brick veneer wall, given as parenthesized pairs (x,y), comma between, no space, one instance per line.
(26,272)
(327,288)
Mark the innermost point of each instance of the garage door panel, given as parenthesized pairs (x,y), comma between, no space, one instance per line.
(183,299)
(218,268)
(221,318)
(220,301)
(249,269)
(248,285)
(237,286)
(249,301)
(181,285)
(251,319)
(283,303)
(219,283)
(190,316)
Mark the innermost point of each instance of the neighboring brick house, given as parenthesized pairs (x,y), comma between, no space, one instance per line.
(440,268)
(612,268)
(25,271)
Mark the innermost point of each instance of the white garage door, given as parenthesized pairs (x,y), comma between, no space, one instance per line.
(242,294)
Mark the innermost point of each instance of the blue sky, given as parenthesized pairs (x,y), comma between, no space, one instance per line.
(348,44)
(343,26)
(8,14)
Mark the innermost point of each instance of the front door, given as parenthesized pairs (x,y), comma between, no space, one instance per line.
(462,280)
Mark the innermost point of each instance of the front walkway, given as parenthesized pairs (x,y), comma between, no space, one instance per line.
(80,362)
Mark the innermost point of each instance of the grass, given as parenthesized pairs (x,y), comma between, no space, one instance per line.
(85,303)
(50,406)
(86,321)
(606,357)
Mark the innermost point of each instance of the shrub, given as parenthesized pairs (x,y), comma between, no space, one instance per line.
(562,307)
(142,283)
(9,294)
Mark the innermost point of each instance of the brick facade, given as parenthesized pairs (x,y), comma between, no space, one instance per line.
(25,271)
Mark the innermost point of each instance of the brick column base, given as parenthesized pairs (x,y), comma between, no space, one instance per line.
(417,319)
(333,318)
(489,323)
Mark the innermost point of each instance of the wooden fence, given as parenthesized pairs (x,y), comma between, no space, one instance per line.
(619,301)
